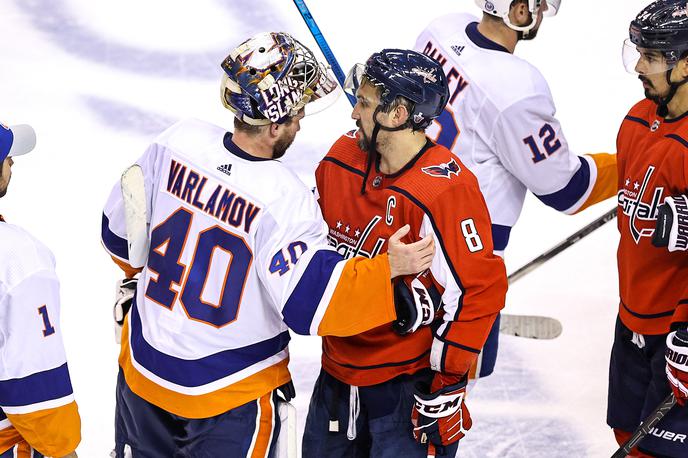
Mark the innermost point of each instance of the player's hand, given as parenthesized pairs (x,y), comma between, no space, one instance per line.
(440,416)
(124,297)
(677,364)
(407,259)
(671,230)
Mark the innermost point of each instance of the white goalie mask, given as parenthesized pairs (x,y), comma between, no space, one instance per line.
(500,8)
(271,77)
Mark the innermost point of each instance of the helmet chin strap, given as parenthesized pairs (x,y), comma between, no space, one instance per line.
(373,153)
(663,105)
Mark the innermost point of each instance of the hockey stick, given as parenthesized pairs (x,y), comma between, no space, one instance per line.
(135,215)
(570,240)
(646,426)
(322,44)
(541,327)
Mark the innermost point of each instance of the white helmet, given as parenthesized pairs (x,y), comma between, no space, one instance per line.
(500,8)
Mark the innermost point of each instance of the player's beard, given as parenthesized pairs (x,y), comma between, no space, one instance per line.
(281,146)
(363,139)
(649,94)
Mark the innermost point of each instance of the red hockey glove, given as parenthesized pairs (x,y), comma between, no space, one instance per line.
(440,416)
(677,364)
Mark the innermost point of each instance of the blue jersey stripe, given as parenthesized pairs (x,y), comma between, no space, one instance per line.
(303,302)
(113,242)
(571,193)
(39,387)
(198,372)
(500,236)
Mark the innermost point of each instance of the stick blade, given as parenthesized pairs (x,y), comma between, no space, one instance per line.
(530,326)
(135,215)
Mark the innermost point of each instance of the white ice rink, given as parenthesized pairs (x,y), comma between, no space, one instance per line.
(99,79)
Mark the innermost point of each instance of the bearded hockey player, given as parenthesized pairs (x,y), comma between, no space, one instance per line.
(400,390)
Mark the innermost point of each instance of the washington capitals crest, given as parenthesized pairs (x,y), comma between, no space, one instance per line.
(443,170)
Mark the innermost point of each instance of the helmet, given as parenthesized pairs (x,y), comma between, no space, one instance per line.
(408,74)
(271,77)
(661,26)
(500,8)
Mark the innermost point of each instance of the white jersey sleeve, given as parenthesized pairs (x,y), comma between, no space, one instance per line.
(33,375)
(500,121)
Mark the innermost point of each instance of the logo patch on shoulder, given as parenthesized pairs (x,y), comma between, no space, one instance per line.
(443,170)
(351,133)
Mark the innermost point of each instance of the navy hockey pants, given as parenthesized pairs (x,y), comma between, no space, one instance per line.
(150,432)
(637,384)
(382,427)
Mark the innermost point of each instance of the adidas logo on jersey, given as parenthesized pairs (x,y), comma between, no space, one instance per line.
(458,49)
(226,169)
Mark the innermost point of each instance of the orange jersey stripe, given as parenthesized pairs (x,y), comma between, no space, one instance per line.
(265,427)
(53,432)
(607,180)
(129,271)
(374,306)
(205,405)
(9,437)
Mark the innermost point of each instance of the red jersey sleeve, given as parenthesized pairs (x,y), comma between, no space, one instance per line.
(473,277)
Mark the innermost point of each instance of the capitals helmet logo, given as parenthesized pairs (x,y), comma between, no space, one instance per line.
(443,170)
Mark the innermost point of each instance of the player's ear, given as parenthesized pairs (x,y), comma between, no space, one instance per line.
(519,13)
(682,67)
(400,115)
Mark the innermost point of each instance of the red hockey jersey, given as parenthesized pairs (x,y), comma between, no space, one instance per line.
(653,164)
(437,196)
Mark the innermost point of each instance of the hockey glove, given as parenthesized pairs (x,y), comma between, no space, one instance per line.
(415,304)
(672,224)
(125,295)
(440,416)
(677,364)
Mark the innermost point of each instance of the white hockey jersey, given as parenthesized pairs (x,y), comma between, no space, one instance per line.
(238,252)
(35,389)
(500,121)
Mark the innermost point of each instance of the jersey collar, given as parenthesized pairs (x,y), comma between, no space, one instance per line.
(235,150)
(481,40)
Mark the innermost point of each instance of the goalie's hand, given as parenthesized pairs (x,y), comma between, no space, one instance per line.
(440,416)
(677,364)
(671,230)
(415,304)
(124,297)
(409,259)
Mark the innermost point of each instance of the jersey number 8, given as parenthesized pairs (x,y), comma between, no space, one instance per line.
(471,235)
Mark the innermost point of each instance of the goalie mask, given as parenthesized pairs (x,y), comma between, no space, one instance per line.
(271,77)
(501,8)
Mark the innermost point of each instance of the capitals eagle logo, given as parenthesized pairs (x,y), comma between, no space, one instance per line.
(443,170)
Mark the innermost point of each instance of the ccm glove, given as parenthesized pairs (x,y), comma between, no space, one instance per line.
(672,224)
(415,304)
(124,297)
(440,416)
(677,364)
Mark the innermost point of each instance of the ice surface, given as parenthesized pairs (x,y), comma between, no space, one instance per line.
(99,79)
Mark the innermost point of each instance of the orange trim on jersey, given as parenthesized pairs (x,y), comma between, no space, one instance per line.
(265,426)
(373,306)
(53,432)
(129,271)
(9,437)
(204,405)
(24,450)
(607,182)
